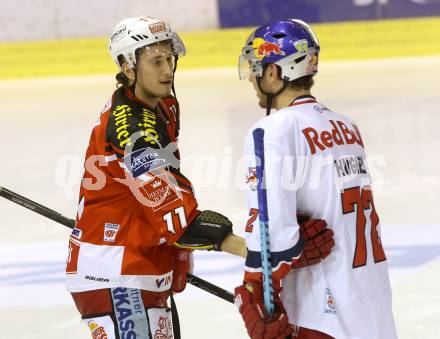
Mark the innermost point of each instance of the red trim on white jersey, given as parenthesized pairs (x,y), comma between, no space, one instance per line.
(308,99)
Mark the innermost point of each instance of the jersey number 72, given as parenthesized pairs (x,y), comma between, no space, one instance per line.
(363,200)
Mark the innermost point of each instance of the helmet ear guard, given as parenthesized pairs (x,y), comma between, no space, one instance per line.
(297,65)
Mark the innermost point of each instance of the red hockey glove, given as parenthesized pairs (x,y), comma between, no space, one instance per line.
(249,299)
(183,263)
(318,241)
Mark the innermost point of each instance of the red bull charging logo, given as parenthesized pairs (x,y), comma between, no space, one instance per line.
(264,48)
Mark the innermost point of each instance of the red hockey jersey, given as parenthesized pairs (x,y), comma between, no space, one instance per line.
(134,201)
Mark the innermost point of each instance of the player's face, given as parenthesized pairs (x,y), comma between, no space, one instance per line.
(262,99)
(270,83)
(155,72)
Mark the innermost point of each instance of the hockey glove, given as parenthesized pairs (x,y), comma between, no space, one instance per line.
(318,241)
(183,264)
(206,232)
(249,299)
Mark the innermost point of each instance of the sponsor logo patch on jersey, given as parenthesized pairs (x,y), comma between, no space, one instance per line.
(110,231)
(77,233)
(161,326)
(320,108)
(98,332)
(329,303)
(160,192)
(165,328)
(339,134)
(251,178)
(165,280)
(90,277)
(143,161)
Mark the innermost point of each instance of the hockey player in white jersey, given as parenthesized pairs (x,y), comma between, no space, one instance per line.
(315,163)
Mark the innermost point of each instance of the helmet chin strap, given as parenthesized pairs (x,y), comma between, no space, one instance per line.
(175,96)
(174,72)
(136,57)
(133,86)
(271,96)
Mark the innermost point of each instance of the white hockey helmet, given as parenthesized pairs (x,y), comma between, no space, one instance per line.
(133,33)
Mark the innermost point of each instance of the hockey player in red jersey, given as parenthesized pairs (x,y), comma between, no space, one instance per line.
(137,219)
(314,163)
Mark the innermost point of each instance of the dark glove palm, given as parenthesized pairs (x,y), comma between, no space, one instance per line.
(206,232)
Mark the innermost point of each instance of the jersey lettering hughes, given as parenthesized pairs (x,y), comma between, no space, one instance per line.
(340,134)
(352,165)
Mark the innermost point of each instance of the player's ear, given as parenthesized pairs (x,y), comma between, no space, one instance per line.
(269,71)
(129,73)
(272,74)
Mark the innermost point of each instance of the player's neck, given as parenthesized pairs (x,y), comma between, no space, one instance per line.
(285,98)
(151,101)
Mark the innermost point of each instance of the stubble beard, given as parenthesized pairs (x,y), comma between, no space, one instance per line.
(157,93)
(262,100)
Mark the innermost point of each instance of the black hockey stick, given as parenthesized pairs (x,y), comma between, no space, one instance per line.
(58,217)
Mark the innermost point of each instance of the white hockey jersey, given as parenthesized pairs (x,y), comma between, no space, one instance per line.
(315,163)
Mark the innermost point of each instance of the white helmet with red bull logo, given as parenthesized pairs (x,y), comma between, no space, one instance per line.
(291,44)
(133,33)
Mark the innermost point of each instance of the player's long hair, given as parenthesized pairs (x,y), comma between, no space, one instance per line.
(121,79)
(305,83)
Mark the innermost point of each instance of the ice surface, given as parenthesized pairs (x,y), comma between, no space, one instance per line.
(45,127)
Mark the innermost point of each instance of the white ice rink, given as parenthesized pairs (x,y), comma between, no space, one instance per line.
(44,129)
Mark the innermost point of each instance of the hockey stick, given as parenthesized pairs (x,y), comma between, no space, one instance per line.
(58,217)
(266,263)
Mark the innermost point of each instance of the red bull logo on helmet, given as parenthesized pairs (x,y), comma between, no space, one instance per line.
(264,48)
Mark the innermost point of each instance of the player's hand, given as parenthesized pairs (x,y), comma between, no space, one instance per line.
(183,264)
(318,241)
(206,232)
(249,299)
